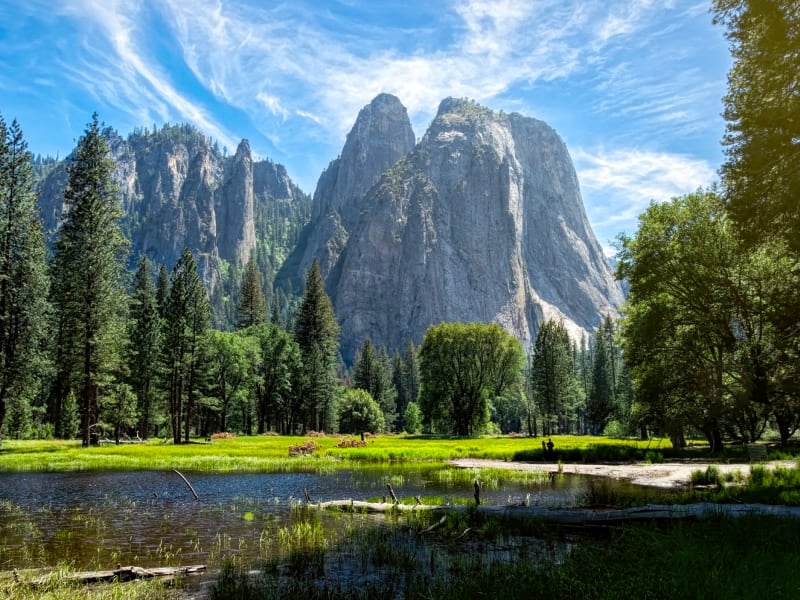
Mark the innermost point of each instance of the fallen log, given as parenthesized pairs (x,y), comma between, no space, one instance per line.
(123,574)
(578,516)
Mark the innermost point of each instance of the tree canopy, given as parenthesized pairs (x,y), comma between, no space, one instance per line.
(462,366)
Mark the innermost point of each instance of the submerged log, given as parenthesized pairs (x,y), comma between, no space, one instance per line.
(122,574)
(578,516)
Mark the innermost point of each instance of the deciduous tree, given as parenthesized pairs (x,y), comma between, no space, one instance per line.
(462,366)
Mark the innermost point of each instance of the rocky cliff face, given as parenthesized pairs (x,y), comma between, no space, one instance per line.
(381,136)
(178,190)
(482,221)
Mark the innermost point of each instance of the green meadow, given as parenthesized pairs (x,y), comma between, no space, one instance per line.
(271,453)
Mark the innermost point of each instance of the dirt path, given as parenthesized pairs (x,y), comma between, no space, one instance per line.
(660,475)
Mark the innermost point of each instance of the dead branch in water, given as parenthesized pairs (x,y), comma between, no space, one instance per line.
(579,516)
(186,481)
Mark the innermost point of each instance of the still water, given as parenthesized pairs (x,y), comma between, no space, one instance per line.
(93,520)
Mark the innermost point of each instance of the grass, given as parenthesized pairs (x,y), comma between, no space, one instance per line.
(56,586)
(705,559)
(271,453)
(763,485)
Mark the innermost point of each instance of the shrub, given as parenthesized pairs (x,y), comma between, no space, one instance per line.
(358,412)
(413,418)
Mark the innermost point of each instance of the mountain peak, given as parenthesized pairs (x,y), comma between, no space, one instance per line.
(463,107)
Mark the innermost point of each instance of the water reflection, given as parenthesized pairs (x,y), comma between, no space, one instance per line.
(101,519)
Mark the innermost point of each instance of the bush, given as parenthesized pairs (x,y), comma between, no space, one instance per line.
(358,412)
(413,418)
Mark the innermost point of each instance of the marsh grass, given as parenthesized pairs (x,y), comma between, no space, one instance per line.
(706,559)
(763,485)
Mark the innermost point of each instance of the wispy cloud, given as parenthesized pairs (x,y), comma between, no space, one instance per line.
(619,184)
(243,54)
(299,72)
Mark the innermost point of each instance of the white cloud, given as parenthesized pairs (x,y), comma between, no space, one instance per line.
(242,52)
(619,184)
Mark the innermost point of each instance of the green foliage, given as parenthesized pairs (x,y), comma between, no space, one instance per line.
(705,324)
(761,108)
(372,373)
(23,282)
(317,335)
(412,418)
(187,314)
(357,412)
(252,305)
(226,359)
(277,380)
(144,345)
(600,403)
(461,367)
(88,271)
(118,409)
(552,378)
(70,419)
(710,476)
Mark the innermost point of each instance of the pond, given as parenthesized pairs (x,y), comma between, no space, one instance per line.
(94,520)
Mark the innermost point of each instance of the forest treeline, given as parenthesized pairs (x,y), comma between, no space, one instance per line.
(91,350)
(708,342)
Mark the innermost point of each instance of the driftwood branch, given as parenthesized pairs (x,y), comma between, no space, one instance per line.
(577,516)
(122,574)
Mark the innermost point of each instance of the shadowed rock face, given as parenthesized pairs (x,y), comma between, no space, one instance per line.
(381,136)
(482,221)
(178,190)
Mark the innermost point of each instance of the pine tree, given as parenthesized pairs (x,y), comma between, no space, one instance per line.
(411,373)
(761,110)
(275,317)
(162,290)
(399,383)
(372,373)
(23,277)
(317,335)
(552,377)
(188,314)
(600,406)
(144,348)
(365,368)
(88,270)
(252,306)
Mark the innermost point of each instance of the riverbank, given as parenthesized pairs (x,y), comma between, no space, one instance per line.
(665,475)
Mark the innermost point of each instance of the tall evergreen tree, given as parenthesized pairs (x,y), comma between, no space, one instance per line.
(187,318)
(252,306)
(398,381)
(411,374)
(762,111)
(275,316)
(317,335)
(162,290)
(23,277)
(88,271)
(552,375)
(365,368)
(372,374)
(600,404)
(144,344)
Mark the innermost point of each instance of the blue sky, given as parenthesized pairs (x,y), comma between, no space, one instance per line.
(633,86)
